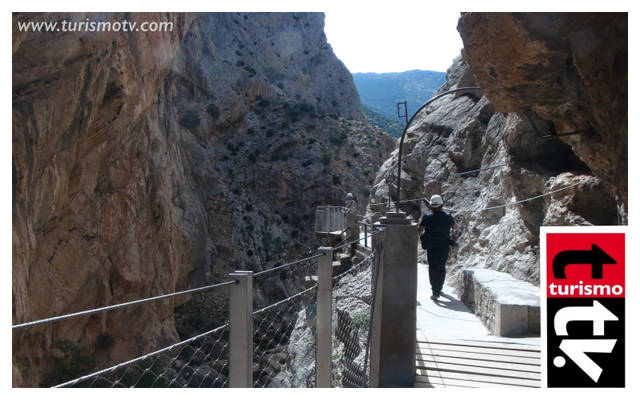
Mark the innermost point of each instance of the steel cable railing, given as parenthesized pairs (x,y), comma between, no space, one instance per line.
(283,340)
(278,268)
(116,306)
(343,245)
(502,205)
(201,361)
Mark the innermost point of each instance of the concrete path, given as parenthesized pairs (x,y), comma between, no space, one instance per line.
(449,318)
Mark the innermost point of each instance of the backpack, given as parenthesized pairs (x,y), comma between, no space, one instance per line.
(436,230)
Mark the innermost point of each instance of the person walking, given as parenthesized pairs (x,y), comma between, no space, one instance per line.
(350,204)
(435,228)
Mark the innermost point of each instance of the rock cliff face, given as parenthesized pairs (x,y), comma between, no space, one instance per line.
(523,181)
(150,162)
(568,68)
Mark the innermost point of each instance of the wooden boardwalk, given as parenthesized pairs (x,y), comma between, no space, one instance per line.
(445,363)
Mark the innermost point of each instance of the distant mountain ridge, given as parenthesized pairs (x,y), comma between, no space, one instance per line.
(381,92)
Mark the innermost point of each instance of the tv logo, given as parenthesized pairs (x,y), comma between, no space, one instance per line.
(585,309)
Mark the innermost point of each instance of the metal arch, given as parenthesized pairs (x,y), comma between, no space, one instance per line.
(526,114)
(409,124)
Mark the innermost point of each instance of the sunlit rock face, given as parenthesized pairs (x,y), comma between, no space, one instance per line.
(146,163)
(568,68)
(499,180)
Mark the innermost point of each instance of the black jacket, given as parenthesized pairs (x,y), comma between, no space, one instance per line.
(437,226)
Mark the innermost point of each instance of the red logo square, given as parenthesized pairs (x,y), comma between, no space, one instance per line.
(585,265)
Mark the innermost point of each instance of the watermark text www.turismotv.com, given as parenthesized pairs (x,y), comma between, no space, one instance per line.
(95,26)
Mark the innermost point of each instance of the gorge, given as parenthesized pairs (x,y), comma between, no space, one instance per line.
(147,163)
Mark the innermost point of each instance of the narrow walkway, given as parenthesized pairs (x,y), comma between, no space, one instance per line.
(455,349)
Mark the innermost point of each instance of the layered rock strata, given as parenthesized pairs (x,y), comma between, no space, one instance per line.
(571,69)
(145,163)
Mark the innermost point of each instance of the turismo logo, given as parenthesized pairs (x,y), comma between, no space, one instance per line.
(585,309)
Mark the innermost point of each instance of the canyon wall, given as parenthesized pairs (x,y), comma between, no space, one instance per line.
(146,163)
(498,178)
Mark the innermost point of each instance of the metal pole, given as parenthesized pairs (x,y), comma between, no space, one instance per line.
(328,220)
(366,228)
(241,330)
(377,242)
(323,323)
(535,128)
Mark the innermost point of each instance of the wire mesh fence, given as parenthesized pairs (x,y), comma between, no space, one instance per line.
(285,341)
(201,361)
(352,300)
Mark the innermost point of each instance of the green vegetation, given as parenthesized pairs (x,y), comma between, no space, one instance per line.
(190,119)
(393,127)
(326,159)
(253,157)
(337,180)
(214,111)
(73,364)
(382,92)
(360,319)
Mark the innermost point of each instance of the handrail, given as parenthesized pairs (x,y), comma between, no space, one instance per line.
(137,302)
(535,128)
(114,307)
(409,124)
(357,240)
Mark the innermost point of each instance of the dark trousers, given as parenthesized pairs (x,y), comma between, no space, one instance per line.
(437,258)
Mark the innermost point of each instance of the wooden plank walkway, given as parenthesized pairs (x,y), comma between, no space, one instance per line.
(445,363)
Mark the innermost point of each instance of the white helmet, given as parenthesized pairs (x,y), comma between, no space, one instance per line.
(349,196)
(436,201)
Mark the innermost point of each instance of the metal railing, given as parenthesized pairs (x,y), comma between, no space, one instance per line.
(286,344)
(201,361)
(330,220)
(283,338)
(352,306)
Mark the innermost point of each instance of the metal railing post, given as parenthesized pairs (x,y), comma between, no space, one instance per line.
(376,318)
(366,228)
(241,330)
(393,337)
(328,219)
(323,323)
